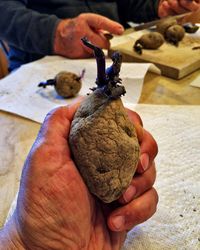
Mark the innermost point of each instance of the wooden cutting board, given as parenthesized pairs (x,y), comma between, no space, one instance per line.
(174,62)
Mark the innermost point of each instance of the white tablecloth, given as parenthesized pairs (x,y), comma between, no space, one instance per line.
(175,226)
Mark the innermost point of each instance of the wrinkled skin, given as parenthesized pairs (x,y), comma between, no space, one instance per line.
(104,145)
(54,208)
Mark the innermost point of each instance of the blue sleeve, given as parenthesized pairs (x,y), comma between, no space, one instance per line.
(26,29)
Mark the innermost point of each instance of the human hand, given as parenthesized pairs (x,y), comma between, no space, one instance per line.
(173,7)
(55,209)
(140,199)
(69,32)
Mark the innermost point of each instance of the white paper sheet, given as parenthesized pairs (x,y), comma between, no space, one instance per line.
(20,94)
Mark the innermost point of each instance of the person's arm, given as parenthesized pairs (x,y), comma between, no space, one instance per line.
(45,34)
(26,29)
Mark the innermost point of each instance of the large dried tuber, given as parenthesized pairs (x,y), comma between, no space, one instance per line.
(102,139)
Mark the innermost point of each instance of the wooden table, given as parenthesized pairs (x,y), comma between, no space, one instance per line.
(162,90)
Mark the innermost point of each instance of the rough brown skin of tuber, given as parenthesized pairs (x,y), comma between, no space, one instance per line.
(151,40)
(102,139)
(172,32)
(66,84)
(164,25)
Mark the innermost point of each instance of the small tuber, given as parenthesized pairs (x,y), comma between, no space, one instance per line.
(66,84)
(151,40)
(174,34)
(171,30)
(102,139)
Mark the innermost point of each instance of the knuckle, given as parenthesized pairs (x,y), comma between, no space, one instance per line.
(153,142)
(81,16)
(156,197)
(145,181)
(138,118)
(141,212)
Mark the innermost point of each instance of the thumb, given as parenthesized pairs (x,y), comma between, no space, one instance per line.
(50,149)
(57,123)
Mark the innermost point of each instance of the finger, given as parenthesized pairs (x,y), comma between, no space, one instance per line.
(135,212)
(148,145)
(194,17)
(176,7)
(134,117)
(51,149)
(100,22)
(96,38)
(57,123)
(148,152)
(117,239)
(137,121)
(190,4)
(165,9)
(139,185)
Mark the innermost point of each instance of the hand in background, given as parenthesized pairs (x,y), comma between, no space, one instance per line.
(55,209)
(70,31)
(173,7)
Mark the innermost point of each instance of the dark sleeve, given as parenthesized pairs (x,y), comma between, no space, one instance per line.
(137,10)
(26,29)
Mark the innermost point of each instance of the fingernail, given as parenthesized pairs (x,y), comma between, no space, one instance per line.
(144,160)
(129,194)
(120,30)
(118,222)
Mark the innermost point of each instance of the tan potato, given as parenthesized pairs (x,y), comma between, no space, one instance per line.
(67,84)
(104,145)
(172,32)
(175,34)
(164,25)
(151,40)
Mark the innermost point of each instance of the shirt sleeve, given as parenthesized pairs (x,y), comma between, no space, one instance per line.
(137,10)
(26,29)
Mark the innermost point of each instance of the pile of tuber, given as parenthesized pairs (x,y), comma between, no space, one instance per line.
(171,30)
(102,139)
(66,84)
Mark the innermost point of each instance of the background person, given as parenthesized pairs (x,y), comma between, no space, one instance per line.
(35,28)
